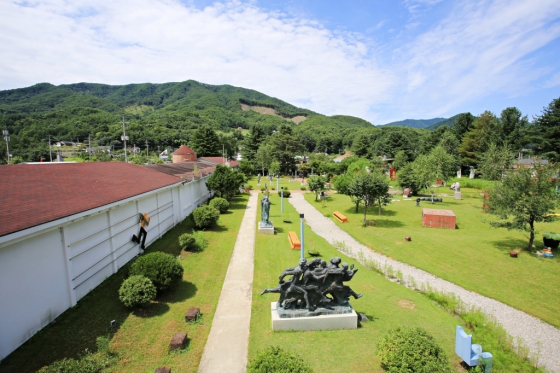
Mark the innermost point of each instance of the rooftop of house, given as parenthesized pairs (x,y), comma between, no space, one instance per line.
(220,160)
(184,150)
(183,170)
(32,194)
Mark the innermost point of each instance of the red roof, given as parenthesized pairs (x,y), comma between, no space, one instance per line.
(183,150)
(220,160)
(33,194)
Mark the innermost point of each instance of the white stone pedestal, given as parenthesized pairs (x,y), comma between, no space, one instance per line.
(323,322)
(266,230)
(458,196)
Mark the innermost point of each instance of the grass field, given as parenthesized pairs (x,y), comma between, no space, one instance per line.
(142,337)
(385,303)
(284,182)
(474,256)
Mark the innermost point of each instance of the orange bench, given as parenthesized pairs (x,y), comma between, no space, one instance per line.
(341,218)
(294,240)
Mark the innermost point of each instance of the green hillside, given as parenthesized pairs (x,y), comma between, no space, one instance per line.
(447,122)
(161,115)
(415,123)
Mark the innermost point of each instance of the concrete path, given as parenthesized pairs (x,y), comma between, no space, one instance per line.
(543,340)
(228,342)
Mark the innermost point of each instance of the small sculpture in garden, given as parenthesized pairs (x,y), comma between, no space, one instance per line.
(265,213)
(456,186)
(309,286)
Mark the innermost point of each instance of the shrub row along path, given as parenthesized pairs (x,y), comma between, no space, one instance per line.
(542,339)
(228,342)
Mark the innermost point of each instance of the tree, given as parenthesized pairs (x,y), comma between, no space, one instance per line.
(524,197)
(205,142)
(246,167)
(369,189)
(400,160)
(225,181)
(316,184)
(274,168)
(514,127)
(486,129)
(362,145)
(264,158)
(254,139)
(546,131)
(442,165)
(286,146)
(463,124)
(495,161)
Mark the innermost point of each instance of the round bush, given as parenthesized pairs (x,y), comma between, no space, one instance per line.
(161,268)
(274,359)
(411,350)
(187,241)
(220,204)
(137,291)
(287,193)
(205,216)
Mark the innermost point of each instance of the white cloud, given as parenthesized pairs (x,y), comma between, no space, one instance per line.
(158,41)
(479,49)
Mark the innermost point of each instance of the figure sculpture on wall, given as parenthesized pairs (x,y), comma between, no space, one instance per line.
(141,238)
(310,284)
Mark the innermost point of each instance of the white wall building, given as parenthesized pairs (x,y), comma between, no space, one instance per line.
(65,228)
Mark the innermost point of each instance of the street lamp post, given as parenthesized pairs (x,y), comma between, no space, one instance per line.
(124,137)
(282,200)
(301,234)
(7,139)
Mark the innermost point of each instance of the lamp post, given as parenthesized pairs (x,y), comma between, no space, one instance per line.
(7,139)
(124,137)
(282,200)
(277,181)
(301,234)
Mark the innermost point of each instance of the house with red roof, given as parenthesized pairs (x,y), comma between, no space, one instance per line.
(66,227)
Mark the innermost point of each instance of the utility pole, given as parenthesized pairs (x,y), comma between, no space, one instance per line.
(7,139)
(50,148)
(89,146)
(147,146)
(124,137)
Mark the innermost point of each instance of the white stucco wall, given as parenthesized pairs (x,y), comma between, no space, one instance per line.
(45,270)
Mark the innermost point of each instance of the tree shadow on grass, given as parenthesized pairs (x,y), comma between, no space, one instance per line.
(279,229)
(154,309)
(178,292)
(387,223)
(508,244)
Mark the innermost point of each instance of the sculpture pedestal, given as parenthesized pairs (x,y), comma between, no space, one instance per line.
(322,322)
(266,229)
(458,195)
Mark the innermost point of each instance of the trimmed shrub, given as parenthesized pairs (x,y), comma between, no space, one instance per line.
(205,216)
(220,204)
(137,291)
(187,241)
(287,193)
(275,359)
(411,350)
(161,268)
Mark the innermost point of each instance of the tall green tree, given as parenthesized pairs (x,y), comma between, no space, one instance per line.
(316,184)
(495,162)
(205,142)
(463,124)
(524,197)
(369,189)
(286,146)
(264,157)
(486,129)
(546,131)
(225,181)
(514,128)
(362,145)
(257,135)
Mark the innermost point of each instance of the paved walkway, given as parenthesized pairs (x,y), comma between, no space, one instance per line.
(228,342)
(543,340)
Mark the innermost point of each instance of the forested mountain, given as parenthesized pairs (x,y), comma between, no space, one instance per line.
(447,122)
(415,123)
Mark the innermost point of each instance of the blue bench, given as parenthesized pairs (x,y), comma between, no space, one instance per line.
(471,354)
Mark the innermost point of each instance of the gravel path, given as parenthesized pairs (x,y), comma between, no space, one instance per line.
(542,340)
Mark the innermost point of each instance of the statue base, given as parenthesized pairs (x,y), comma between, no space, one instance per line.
(458,195)
(266,229)
(333,321)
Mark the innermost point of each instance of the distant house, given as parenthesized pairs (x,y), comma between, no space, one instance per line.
(64,143)
(528,163)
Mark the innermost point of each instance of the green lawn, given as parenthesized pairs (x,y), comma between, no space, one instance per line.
(474,256)
(284,182)
(142,337)
(385,303)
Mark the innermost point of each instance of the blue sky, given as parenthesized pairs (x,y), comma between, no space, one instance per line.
(378,60)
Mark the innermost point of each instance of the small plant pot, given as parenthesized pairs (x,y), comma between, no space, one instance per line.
(513,254)
(408,239)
